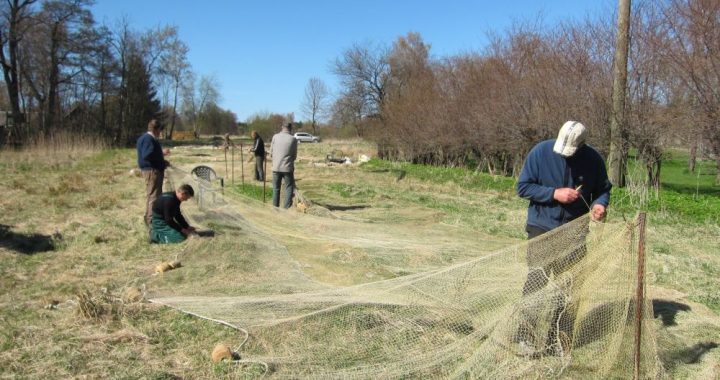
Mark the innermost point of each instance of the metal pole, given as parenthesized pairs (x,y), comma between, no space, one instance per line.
(640,292)
(265,174)
(242,166)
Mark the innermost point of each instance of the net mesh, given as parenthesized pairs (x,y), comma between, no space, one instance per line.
(324,296)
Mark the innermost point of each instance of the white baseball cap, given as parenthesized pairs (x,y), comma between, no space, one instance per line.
(570,138)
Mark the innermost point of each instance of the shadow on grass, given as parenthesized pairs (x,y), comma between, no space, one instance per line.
(26,244)
(596,324)
(205,233)
(342,208)
(687,355)
(667,310)
(399,173)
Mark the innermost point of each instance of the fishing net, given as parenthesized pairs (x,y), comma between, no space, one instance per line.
(328,296)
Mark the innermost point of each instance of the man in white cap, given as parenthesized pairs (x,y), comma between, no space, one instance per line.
(563,179)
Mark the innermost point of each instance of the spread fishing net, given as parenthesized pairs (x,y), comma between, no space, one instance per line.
(326,296)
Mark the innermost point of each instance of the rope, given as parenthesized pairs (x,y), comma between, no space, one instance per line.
(224,323)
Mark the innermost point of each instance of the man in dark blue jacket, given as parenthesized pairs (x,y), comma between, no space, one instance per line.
(152,163)
(563,179)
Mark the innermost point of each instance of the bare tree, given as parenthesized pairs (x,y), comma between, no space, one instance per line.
(694,56)
(349,109)
(175,67)
(411,105)
(16,16)
(315,101)
(61,41)
(196,99)
(104,68)
(365,70)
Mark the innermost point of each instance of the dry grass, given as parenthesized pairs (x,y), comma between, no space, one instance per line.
(65,299)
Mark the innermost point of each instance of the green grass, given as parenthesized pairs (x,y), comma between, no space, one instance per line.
(254,191)
(462,177)
(676,176)
(684,197)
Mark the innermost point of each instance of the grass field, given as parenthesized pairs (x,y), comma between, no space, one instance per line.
(72,243)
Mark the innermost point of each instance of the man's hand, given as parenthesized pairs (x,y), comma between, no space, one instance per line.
(566,195)
(598,212)
(166,152)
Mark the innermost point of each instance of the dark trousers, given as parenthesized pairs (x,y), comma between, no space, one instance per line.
(289,179)
(541,267)
(259,168)
(546,258)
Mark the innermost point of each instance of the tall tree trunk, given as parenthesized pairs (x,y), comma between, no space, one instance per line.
(103,104)
(52,96)
(653,172)
(617,159)
(11,68)
(172,118)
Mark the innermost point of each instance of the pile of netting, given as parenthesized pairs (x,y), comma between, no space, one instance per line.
(411,301)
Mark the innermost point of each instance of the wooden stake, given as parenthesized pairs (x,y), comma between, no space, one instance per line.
(226,167)
(640,292)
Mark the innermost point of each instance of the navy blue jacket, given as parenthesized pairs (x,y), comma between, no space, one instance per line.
(149,153)
(259,147)
(544,171)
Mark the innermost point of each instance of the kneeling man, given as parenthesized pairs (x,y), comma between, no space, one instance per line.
(168,224)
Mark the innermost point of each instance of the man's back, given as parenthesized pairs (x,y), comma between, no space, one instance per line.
(284,151)
(149,153)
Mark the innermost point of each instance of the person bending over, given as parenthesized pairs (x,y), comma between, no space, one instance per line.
(562,179)
(168,224)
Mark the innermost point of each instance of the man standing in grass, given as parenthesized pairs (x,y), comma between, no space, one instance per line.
(152,163)
(258,149)
(283,150)
(168,224)
(563,179)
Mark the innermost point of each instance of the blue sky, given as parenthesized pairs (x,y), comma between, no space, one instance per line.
(264,52)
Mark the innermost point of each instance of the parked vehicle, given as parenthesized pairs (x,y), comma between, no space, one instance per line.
(306,137)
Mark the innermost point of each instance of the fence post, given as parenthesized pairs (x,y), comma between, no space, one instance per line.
(640,292)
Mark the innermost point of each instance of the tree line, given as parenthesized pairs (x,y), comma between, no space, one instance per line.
(489,108)
(64,73)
